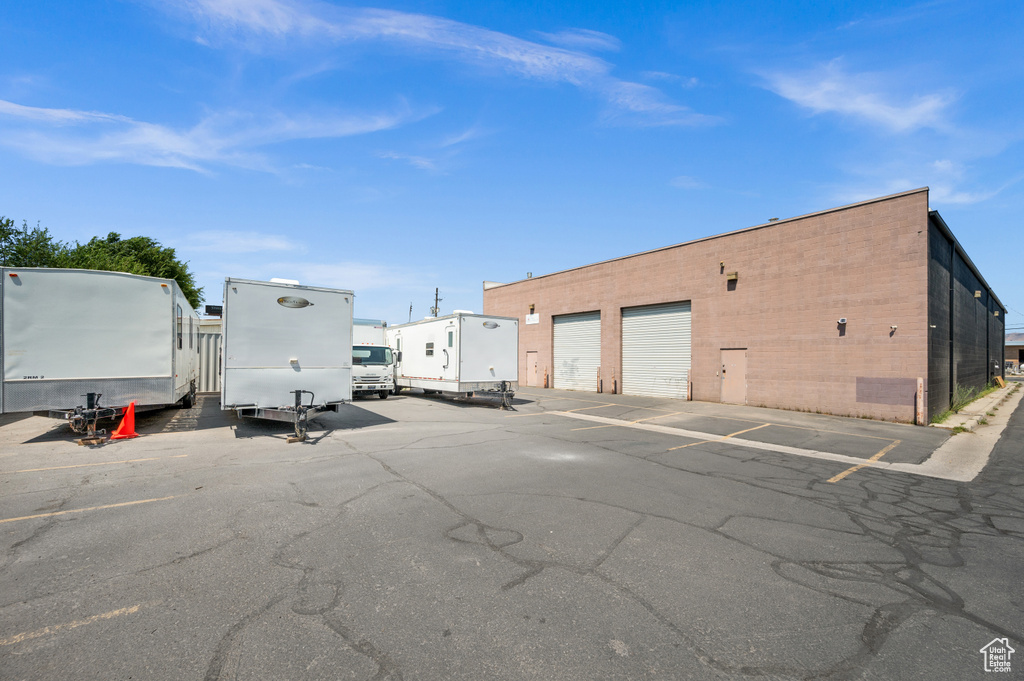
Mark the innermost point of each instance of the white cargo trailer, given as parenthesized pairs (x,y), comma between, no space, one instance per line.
(72,339)
(461,353)
(373,362)
(287,351)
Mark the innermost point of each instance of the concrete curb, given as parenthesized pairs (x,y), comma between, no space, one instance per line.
(968,417)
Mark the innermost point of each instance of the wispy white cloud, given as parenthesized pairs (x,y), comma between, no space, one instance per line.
(867,97)
(583,39)
(355,276)
(687,182)
(307,20)
(462,137)
(71,137)
(949,182)
(672,78)
(421,162)
(639,104)
(57,116)
(233,242)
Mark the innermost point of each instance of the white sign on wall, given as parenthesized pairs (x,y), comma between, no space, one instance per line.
(533,319)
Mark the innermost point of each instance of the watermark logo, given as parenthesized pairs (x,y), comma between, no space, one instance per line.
(997,655)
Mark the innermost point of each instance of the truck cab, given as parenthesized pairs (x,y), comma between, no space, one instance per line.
(373,362)
(373,370)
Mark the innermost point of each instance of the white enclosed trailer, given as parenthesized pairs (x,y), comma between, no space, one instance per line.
(373,362)
(73,339)
(287,350)
(462,353)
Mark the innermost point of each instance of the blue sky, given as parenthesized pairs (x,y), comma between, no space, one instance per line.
(392,149)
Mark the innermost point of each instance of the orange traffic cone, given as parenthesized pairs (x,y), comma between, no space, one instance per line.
(127,428)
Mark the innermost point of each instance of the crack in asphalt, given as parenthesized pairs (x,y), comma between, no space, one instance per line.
(314,595)
(911,515)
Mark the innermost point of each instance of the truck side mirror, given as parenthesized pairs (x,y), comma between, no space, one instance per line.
(398,356)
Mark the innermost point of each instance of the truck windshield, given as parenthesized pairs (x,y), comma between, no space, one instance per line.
(362,354)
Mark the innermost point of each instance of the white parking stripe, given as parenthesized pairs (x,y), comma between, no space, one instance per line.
(928,468)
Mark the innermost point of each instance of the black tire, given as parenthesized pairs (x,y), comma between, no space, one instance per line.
(383,394)
(188,401)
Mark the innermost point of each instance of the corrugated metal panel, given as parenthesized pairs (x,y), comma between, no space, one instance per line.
(656,350)
(209,360)
(577,351)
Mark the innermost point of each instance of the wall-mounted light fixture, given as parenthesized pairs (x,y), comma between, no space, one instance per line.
(732,276)
(893,327)
(997,313)
(842,320)
(977,294)
(531,308)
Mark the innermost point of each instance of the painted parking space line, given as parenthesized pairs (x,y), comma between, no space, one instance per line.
(53,629)
(542,413)
(876,457)
(709,416)
(84,510)
(926,469)
(720,439)
(649,418)
(550,398)
(84,465)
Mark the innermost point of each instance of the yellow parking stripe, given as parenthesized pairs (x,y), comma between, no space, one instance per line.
(29,635)
(83,465)
(725,437)
(854,469)
(83,510)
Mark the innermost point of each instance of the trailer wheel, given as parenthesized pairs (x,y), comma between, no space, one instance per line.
(188,401)
(383,394)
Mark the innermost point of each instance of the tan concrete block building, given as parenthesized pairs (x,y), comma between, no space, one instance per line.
(1014,351)
(871,310)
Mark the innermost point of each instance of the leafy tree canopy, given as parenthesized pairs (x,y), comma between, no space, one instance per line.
(35,247)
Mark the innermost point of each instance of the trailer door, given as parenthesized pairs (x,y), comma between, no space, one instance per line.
(577,351)
(448,349)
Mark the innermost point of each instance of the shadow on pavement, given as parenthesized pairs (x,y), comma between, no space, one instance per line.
(349,417)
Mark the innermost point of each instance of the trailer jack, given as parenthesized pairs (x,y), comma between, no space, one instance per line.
(83,420)
(506,396)
(302,415)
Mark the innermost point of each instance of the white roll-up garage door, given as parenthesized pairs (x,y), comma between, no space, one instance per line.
(577,351)
(656,350)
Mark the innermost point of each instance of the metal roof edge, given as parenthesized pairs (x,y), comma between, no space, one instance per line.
(488,285)
(948,233)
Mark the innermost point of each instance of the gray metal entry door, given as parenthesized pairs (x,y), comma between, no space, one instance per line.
(656,350)
(577,351)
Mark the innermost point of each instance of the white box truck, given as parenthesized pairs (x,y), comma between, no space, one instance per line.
(73,340)
(462,353)
(287,351)
(373,362)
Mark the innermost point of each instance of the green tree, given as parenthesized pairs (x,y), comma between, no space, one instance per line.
(26,247)
(138,255)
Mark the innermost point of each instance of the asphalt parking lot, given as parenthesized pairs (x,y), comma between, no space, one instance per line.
(580,536)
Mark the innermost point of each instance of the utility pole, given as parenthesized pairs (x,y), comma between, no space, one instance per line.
(436,310)
(410,312)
